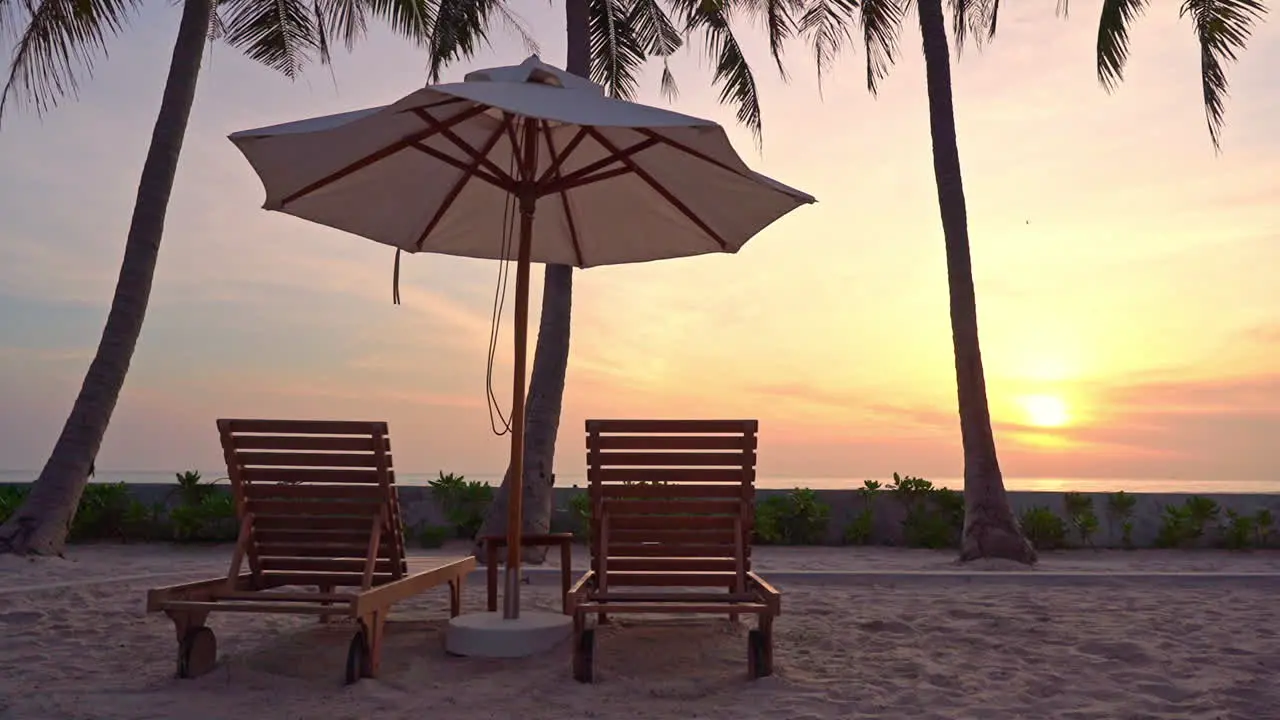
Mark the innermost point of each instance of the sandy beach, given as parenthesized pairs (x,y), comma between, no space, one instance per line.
(77,644)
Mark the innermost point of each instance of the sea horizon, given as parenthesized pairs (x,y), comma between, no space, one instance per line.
(773,482)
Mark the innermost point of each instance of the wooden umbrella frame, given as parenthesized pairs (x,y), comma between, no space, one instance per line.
(527,186)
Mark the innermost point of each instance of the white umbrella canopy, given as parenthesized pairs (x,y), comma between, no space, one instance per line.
(618,182)
(594,181)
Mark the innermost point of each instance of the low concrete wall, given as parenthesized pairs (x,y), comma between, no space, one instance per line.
(418,507)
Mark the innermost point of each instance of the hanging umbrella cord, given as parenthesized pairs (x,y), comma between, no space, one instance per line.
(501,425)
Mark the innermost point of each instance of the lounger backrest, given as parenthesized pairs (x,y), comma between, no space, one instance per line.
(309,493)
(679,497)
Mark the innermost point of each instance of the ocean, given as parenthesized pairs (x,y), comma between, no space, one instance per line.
(1043,484)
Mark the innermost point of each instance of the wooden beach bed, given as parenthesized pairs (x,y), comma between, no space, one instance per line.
(672,508)
(317,506)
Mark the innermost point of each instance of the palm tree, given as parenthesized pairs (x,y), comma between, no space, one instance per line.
(56,41)
(1221,26)
(609,41)
(990,527)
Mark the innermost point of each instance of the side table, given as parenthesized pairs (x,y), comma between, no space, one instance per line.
(492,543)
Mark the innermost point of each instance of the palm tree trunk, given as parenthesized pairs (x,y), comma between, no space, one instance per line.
(550,360)
(41,524)
(990,527)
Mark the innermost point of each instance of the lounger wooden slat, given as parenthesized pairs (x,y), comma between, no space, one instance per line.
(672,510)
(318,508)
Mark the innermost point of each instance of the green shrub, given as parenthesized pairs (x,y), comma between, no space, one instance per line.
(11,496)
(861,527)
(934,516)
(213,519)
(1240,530)
(1120,512)
(464,503)
(1081,515)
(580,510)
(796,518)
(1183,525)
(433,536)
(1263,522)
(101,512)
(1043,528)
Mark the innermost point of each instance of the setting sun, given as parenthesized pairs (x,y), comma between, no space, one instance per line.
(1045,410)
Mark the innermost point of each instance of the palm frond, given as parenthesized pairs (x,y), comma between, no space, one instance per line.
(974,18)
(779,20)
(827,25)
(653,28)
(341,18)
(670,90)
(61,40)
(217,28)
(733,73)
(1222,27)
(1113,37)
(459,30)
(881,22)
(280,34)
(616,52)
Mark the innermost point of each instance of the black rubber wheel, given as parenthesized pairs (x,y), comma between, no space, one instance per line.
(757,655)
(197,653)
(584,657)
(358,657)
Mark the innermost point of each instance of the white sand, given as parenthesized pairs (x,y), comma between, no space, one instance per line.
(74,646)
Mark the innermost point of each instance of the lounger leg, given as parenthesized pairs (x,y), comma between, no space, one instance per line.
(766,631)
(197,645)
(374,625)
(455,596)
(325,589)
(583,649)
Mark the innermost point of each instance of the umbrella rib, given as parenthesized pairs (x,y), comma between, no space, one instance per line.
(462,145)
(502,183)
(456,190)
(385,152)
(554,169)
(556,159)
(687,150)
(658,188)
(583,175)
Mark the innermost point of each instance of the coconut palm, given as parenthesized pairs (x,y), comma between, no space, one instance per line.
(1222,28)
(609,41)
(57,42)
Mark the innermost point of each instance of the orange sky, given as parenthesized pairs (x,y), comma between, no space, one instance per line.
(1124,273)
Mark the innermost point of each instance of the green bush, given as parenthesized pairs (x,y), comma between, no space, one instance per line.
(1263,522)
(1239,532)
(1043,528)
(11,496)
(934,516)
(101,512)
(1120,511)
(580,510)
(796,518)
(859,530)
(1183,525)
(433,536)
(464,503)
(1081,515)
(211,519)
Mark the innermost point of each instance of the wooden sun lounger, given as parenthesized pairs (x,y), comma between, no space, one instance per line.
(672,507)
(317,507)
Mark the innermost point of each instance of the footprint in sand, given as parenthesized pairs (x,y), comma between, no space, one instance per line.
(20,617)
(1130,653)
(887,626)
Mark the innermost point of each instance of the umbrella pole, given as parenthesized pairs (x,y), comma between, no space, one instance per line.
(515,491)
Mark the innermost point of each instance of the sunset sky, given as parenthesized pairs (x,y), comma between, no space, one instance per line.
(1126,275)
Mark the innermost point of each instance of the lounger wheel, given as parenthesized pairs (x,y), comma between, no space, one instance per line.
(757,655)
(197,652)
(584,657)
(358,663)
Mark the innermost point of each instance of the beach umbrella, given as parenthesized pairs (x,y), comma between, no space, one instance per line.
(593,181)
